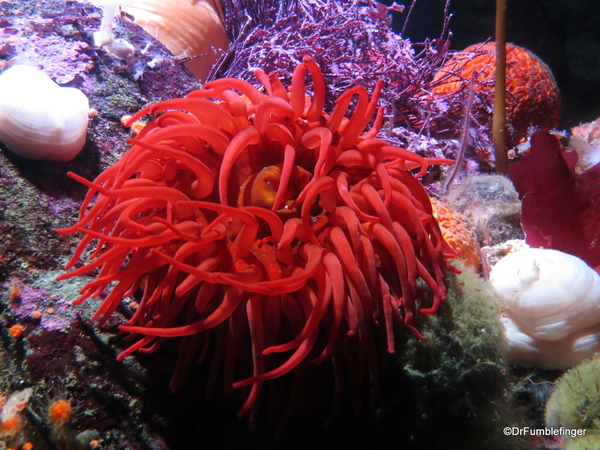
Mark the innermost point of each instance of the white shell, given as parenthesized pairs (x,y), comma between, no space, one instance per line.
(552,317)
(38,118)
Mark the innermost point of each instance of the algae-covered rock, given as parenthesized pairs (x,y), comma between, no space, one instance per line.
(451,387)
(575,405)
(590,442)
(491,206)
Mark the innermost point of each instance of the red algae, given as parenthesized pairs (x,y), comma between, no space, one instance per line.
(560,207)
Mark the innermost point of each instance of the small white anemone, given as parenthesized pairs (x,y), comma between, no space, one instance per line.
(552,318)
(585,140)
(105,38)
(40,119)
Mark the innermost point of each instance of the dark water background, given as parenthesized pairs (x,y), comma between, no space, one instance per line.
(563,33)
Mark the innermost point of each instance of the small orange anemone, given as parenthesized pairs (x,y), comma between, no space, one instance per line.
(59,412)
(532,96)
(267,234)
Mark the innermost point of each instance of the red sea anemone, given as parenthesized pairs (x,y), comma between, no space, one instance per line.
(269,235)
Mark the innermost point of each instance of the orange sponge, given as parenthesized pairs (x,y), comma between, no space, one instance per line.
(455,232)
(532,96)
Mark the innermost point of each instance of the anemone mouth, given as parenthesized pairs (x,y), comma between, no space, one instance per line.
(271,262)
